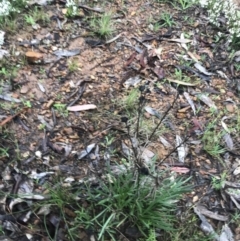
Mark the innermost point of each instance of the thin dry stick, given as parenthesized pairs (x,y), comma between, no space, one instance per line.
(174,149)
(165,114)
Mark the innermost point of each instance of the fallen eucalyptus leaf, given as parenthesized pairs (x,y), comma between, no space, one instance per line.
(151,111)
(234,193)
(224,124)
(183,41)
(183,44)
(180,169)
(81,107)
(205,225)
(67,53)
(7,97)
(182,82)
(165,142)
(133,81)
(211,214)
(228,140)
(41,87)
(3,53)
(226,234)
(180,149)
(86,151)
(35,175)
(202,69)
(206,100)
(188,98)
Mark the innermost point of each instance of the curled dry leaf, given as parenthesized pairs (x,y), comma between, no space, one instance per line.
(188,98)
(3,53)
(194,56)
(41,87)
(211,214)
(86,151)
(35,175)
(233,192)
(152,111)
(133,81)
(81,107)
(67,53)
(165,142)
(202,69)
(226,234)
(224,124)
(8,97)
(205,225)
(206,100)
(177,40)
(180,149)
(228,140)
(183,44)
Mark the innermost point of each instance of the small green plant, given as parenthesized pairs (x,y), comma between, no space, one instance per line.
(41,126)
(180,76)
(30,20)
(167,20)
(212,140)
(219,183)
(152,235)
(237,67)
(61,109)
(124,199)
(27,103)
(4,152)
(131,100)
(185,4)
(73,65)
(103,26)
(60,198)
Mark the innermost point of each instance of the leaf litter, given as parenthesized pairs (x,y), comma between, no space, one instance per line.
(67,131)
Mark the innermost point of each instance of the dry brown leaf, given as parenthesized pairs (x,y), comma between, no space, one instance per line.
(81,107)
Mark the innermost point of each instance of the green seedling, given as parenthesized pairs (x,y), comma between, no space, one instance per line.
(167,20)
(41,126)
(73,65)
(4,152)
(103,26)
(29,20)
(237,67)
(130,101)
(219,183)
(27,103)
(212,140)
(180,76)
(61,109)
(185,4)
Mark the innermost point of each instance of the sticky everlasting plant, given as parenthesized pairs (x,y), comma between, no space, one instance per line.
(228,9)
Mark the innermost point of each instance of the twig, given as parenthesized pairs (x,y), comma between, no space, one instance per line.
(81,90)
(174,149)
(90,9)
(114,39)
(8,119)
(165,114)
